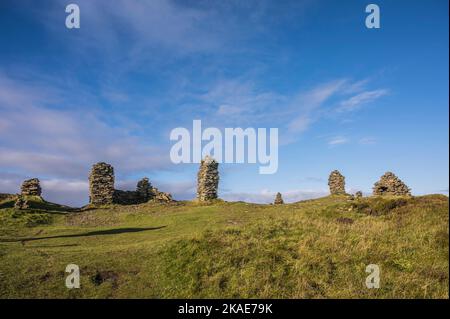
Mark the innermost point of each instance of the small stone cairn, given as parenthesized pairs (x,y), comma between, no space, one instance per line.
(101,184)
(31,187)
(21,203)
(358,194)
(278,199)
(144,189)
(161,196)
(389,184)
(207,179)
(336,182)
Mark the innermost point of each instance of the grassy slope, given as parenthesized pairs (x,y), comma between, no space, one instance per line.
(301,250)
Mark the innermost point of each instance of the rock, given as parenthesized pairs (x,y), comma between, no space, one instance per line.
(144,189)
(102,191)
(126,197)
(101,184)
(21,203)
(161,196)
(278,199)
(207,179)
(31,187)
(389,184)
(336,182)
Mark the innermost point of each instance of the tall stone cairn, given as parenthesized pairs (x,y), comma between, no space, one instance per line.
(389,184)
(336,182)
(278,199)
(101,184)
(207,179)
(31,187)
(144,189)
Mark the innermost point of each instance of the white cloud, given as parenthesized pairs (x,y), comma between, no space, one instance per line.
(367,140)
(308,102)
(338,140)
(59,143)
(360,99)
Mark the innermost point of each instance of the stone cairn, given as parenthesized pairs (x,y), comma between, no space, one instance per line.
(278,199)
(336,182)
(144,189)
(144,192)
(31,187)
(101,184)
(207,179)
(21,203)
(389,184)
(358,194)
(160,196)
(102,191)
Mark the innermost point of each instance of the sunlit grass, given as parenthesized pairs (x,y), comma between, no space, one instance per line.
(312,249)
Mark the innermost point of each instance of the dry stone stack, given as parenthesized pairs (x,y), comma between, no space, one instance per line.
(101,189)
(31,187)
(101,184)
(278,199)
(126,197)
(144,189)
(160,196)
(21,203)
(207,179)
(336,182)
(389,184)
(358,194)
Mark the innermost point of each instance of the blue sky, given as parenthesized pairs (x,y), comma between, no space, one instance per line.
(364,101)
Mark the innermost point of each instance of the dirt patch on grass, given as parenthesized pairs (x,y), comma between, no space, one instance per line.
(344,220)
(88,218)
(107,275)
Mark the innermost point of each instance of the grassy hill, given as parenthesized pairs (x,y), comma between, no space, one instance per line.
(310,249)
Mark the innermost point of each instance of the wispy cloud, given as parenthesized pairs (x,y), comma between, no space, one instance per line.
(367,140)
(63,143)
(308,102)
(338,140)
(360,99)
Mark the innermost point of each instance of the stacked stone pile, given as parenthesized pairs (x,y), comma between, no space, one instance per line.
(389,184)
(358,194)
(336,182)
(207,179)
(278,199)
(101,184)
(21,203)
(31,187)
(161,196)
(144,189)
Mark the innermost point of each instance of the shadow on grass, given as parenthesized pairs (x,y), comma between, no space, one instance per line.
(114,231)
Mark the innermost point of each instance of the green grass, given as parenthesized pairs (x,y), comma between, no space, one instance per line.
(310,249)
